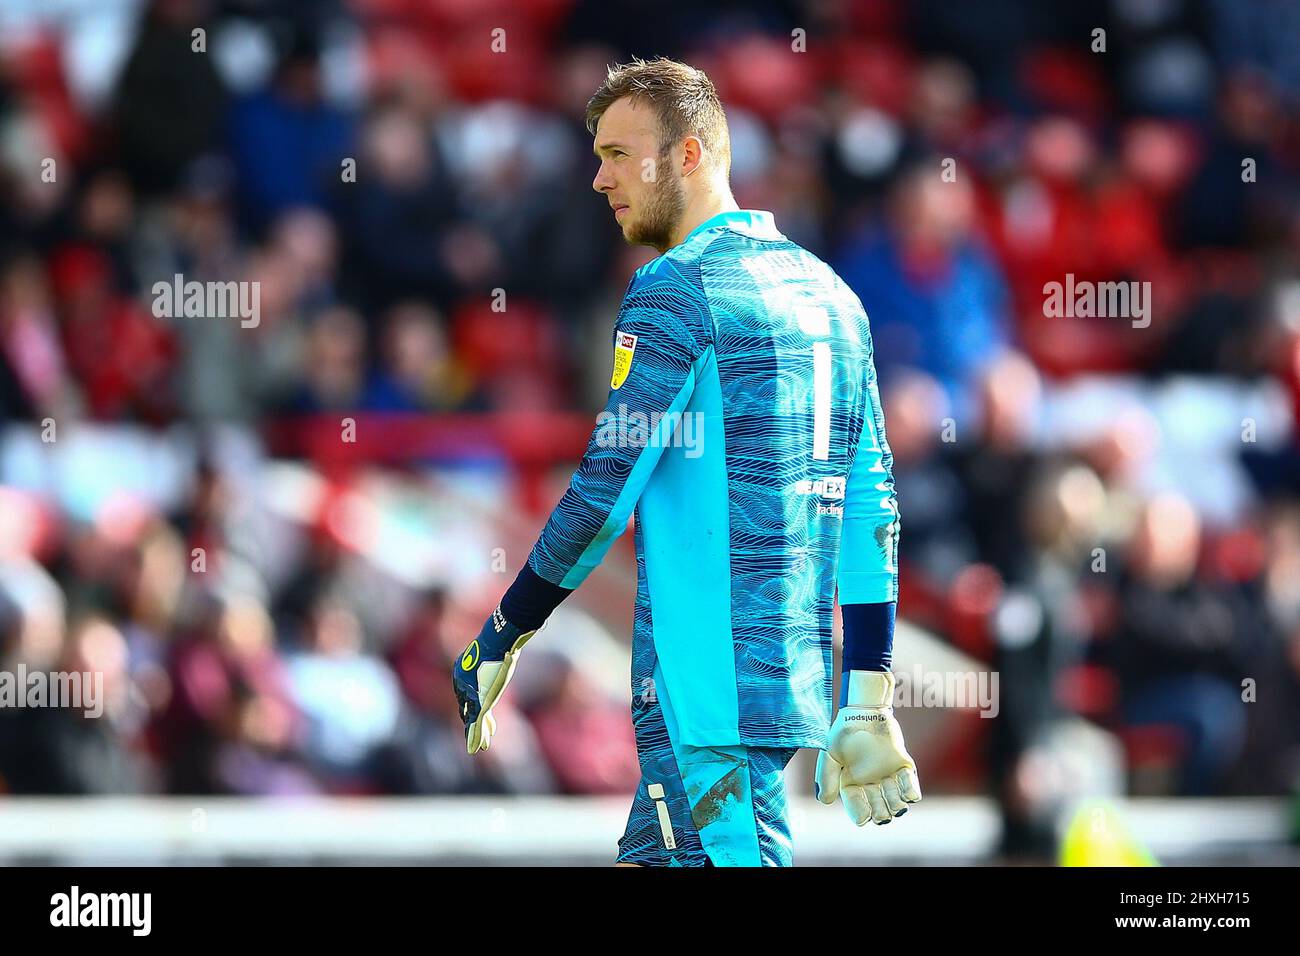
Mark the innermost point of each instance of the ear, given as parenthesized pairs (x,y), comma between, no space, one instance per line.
(692,154)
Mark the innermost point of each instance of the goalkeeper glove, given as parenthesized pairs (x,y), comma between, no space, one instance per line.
(481,676)
(865,762)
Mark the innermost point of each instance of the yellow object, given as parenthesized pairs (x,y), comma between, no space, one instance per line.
(1097,837)
(624,348)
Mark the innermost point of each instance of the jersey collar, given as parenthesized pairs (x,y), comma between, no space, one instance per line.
(755,222)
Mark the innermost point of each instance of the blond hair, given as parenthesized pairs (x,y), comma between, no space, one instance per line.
(682,97)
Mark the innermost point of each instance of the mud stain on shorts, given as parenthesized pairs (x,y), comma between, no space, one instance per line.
(712,804)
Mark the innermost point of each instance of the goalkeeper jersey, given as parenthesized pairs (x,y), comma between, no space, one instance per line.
(744,431)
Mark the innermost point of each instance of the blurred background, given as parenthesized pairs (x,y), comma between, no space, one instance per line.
(1105,515)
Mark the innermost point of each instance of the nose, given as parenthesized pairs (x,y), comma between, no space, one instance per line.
(603,181)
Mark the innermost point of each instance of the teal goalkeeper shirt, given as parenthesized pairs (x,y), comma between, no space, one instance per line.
(744,428)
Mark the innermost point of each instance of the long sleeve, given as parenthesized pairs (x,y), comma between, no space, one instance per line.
(868,566)
(661,337)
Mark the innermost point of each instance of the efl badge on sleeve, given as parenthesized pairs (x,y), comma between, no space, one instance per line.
(624,346)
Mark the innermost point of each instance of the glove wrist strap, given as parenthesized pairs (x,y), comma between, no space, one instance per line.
(870,689)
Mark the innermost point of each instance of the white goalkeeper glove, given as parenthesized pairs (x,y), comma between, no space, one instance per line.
(865,762)
(481,674)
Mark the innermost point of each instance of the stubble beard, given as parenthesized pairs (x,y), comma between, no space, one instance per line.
(663,211)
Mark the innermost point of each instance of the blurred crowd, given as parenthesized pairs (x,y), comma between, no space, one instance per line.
(1106,512)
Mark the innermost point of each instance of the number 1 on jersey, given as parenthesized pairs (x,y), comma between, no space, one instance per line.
(821,400)
(814,320)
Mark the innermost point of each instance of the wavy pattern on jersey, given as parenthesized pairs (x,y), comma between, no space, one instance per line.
(762,303)
(767,771)
(642,841)
(665,309)
(770,302)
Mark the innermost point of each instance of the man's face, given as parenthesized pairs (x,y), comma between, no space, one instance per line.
(640,181)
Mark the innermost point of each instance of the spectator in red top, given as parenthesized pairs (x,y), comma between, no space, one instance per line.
(119,352)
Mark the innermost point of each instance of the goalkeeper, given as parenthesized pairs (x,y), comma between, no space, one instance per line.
(743,537)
